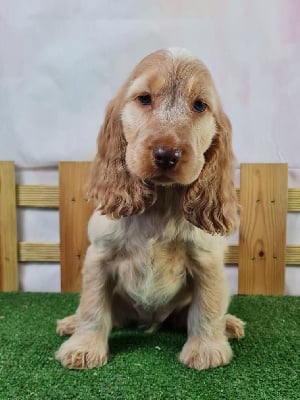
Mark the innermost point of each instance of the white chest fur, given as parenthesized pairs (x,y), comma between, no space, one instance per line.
(154,275)
(151,255)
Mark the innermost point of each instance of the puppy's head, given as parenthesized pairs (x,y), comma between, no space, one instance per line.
(166,126)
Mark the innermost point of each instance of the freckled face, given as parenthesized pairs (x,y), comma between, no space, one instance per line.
(168,121)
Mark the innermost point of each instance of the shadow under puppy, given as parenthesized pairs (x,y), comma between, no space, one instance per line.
(163,181)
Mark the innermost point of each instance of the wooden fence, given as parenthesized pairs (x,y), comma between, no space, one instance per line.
(262,253)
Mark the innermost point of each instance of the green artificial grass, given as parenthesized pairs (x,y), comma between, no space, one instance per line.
(266,363)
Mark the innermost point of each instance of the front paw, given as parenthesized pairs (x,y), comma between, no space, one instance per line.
(83,352)
(206,353)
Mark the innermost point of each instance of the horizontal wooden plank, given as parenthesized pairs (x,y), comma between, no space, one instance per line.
(38,252)
(50,252)
(47,196)
(294,199)
(292,255)
(232,255)
(42,196)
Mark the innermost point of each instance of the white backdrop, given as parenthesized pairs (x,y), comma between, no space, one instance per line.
(62,60)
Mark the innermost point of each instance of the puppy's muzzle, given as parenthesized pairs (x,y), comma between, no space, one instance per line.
(166,157)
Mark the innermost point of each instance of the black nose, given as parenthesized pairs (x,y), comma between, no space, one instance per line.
(166,157)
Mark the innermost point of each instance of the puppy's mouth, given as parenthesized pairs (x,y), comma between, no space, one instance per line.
(162,180)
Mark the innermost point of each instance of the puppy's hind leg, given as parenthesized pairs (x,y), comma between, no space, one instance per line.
(66,326)
(234,327)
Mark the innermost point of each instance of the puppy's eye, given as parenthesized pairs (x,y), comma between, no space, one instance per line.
(145,99)
(199,106)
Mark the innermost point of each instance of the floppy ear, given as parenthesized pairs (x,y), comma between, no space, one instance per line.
(210,202)
(118,192)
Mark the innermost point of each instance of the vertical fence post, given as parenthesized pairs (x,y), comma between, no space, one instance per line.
(263,198)
(74,214)
(8,228)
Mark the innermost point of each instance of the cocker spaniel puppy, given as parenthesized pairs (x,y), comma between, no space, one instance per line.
(163,181)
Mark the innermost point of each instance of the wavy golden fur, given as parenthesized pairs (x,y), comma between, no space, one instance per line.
(163,169)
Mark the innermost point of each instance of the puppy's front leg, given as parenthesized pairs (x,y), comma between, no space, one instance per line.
(207,346)
(88,346)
